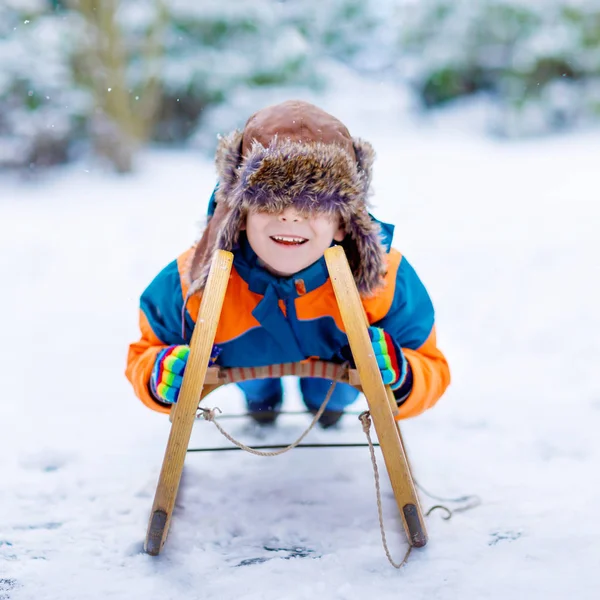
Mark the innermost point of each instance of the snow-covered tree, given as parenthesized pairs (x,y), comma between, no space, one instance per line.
(118,73)
(539,60)
(42,109)
(112,75)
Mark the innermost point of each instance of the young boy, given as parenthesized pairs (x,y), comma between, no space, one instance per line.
(290,185)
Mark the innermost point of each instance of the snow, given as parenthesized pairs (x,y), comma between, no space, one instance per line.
(504,235)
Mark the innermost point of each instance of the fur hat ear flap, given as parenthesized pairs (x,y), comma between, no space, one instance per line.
(365,157)
(228,159)
(365,252)
(229,231)
(222,233)
(201,259)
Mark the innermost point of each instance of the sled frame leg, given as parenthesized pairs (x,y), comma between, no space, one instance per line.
(381,401)
(189,398)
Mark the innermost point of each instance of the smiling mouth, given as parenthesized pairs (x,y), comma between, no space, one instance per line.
(288,240)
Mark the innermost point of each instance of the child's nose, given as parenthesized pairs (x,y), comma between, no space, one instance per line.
(289,215)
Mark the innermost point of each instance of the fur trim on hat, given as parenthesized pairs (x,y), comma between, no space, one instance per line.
(311,177)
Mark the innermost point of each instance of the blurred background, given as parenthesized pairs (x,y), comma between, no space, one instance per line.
(103,79)
(485,116)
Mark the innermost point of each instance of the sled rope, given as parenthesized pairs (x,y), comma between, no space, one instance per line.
(472,500)
(365,419)
(209,414)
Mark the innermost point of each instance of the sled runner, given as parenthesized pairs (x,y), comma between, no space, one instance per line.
(199,380)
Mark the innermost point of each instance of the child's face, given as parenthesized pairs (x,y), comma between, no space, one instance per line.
(288,242)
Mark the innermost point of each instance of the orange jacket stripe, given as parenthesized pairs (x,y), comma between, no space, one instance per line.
(322,302)
(431,376)
(140,362)
(377,307)
(236,315)
(318,304)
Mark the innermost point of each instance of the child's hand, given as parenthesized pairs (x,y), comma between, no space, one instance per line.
(167,374)
(390,358)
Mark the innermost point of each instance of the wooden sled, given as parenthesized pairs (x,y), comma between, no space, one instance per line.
(200,380)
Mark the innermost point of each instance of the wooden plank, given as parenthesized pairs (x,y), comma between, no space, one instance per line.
(220,376)
(187,405)
(213,376)
(379,397)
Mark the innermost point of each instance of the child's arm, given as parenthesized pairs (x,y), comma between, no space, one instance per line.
(161,309)
(404,310)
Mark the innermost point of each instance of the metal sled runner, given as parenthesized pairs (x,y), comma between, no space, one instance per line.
(199,380)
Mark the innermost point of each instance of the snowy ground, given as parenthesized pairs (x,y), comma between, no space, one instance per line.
(506,238)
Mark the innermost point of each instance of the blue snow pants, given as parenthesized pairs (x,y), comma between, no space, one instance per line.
(267,394)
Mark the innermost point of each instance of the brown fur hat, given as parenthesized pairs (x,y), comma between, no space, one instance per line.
(294,154)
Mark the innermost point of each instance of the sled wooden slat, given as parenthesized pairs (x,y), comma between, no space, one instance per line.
(379,397)
(313,368)
(187,405)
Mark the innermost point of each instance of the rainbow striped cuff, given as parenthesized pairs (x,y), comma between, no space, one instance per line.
(167,374)
(390,358)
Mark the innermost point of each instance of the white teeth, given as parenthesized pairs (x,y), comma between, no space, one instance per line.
(285,238)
